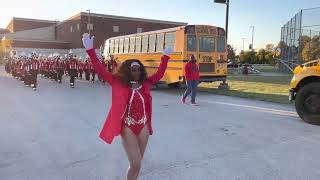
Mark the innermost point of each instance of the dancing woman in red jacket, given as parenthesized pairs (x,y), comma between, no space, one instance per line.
(130,112)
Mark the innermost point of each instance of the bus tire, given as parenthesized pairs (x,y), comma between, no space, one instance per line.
(307,103)
(175,85)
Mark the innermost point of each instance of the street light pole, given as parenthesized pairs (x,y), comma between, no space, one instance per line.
(227,19)
(89,25)
(243,43)
(252,37)
(226,2)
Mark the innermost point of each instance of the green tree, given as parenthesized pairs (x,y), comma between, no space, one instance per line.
(248,57)
(231,52)
(262,56)
(270,47)
(5,47)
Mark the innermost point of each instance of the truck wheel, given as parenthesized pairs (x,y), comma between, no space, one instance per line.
(308,103)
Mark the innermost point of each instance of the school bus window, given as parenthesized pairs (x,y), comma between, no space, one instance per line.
(132,44)
(126,45)
(111,46)
(138,44)
(169,40)
(145,44)
(191,43)
(206,44)
(116,46)
(159,47)
(121,46)
(106,47)
(152,43)
(221,44)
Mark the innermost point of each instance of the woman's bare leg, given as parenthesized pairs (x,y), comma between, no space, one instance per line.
(143,138)
(131,146)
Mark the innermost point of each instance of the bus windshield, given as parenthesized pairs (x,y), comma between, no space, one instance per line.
(206,44)
(192,43)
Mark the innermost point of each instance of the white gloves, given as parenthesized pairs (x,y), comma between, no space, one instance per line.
(87,41)
(167,51)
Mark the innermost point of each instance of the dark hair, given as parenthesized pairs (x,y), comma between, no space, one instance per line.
(192,57)
(124,72)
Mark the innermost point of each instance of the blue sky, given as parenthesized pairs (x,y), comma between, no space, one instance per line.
(267,16)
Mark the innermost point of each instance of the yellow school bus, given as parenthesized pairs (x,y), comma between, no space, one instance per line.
(206,42)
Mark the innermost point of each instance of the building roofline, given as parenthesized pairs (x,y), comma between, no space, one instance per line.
(30,19)
(103,16)
(132,18)
(38,40)
(72,17)
(123,18)
(35,20)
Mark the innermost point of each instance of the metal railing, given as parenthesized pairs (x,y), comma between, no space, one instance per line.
(289,65)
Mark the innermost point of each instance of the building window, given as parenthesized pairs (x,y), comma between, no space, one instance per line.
(115,28)
(159,47)
(139,30)
(78,26)
(89,26)
(71,28)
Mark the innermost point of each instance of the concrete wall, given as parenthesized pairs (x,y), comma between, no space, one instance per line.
(46,33)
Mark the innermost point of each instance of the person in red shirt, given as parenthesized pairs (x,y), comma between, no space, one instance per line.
(81,68)
(87,69)
(93,73)
(59,69)
(130,113)
(192,77)
(46,68)
(112,64)
(26,69)
(73,70)
(35,66)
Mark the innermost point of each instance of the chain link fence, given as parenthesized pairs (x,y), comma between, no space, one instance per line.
(300,38)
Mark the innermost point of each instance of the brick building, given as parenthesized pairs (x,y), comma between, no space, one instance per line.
(47,37)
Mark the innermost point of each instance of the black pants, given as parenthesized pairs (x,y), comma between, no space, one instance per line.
(59,74)
(55,76)
(46,73)
(72,73)
(7,67)
(27,78)
(80,73)
(33,79)
(93,76)
(87,75)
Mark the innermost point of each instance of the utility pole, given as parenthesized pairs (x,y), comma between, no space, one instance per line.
(89,24)
(251,47)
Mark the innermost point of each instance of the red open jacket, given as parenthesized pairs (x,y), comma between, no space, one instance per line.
(120,96)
